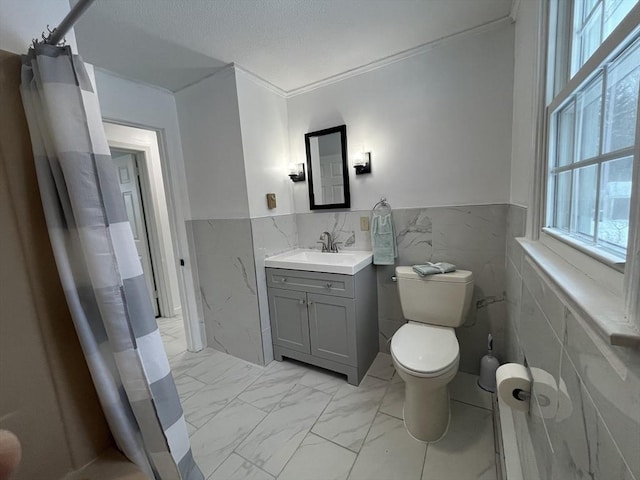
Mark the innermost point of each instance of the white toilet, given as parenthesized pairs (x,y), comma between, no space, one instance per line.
(425,350)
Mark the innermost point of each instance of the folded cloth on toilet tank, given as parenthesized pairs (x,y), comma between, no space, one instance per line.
(430,268)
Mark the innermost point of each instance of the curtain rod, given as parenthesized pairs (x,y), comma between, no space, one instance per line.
(65,25)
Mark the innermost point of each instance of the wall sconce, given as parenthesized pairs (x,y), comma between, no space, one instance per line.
(296,172)
(362,164)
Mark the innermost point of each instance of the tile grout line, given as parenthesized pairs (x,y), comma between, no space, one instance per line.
(267,414)
(364,440)
(424,460)
(471,404)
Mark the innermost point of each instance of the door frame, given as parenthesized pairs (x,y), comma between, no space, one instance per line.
(119,138)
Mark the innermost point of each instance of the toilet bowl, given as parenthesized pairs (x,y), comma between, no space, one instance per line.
(426,357)
(425,351)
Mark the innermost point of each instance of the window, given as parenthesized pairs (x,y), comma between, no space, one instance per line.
(592,109)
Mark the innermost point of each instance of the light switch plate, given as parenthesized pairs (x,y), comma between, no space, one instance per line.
(271,201)
(364,224)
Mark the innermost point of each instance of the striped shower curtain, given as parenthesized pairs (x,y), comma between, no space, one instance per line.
(99,266)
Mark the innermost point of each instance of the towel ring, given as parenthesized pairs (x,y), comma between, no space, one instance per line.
(382,204)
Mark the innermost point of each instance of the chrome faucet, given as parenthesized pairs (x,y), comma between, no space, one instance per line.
(328,244)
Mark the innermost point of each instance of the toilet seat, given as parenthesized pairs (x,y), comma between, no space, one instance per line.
(425,350)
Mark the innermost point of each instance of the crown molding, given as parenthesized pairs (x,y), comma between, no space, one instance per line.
(142,83)
(515,7)
(397,57)
(260,81)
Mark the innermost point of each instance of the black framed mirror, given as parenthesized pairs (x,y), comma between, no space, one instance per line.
(327,168)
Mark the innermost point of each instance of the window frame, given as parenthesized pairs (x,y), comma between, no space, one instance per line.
(621,278)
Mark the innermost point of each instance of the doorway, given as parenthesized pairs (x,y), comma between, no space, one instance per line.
(140,172)
(134,201)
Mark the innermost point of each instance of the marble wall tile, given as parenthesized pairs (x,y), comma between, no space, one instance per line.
(271,235)
(227,275)
(542,292)
(343,226)
(390,317)
(470,227)
(611,375)
(513,282)
(540,344)
(472,238)
(516,227)
(193,264)
(278,436)
(539,436)
(582,445)
(414,235)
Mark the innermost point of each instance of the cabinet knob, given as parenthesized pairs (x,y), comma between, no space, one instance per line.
(284,280)
(329,285)
(301,302)
(310,303)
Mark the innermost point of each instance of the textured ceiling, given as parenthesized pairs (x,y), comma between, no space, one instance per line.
(290,43)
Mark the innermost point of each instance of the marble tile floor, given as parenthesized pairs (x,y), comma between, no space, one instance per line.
(172,333)
(291,421)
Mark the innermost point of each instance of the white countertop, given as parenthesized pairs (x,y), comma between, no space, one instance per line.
(347,262)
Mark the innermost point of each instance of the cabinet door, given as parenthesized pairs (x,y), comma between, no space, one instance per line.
(332,328)
(289,324)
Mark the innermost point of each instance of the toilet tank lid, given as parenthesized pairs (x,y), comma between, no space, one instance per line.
(459,276)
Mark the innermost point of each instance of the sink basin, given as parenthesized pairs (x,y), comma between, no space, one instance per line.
(348,262)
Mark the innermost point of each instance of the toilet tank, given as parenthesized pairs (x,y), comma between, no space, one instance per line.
(442,299)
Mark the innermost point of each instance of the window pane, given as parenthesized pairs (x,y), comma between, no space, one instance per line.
(591,35)
(563,200)
(614,12)
(593,23)
(583,205)
(615,200)
(623,78)
(566,130)
(589,106)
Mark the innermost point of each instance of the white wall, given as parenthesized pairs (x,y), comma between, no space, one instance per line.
(438,124)
(212,146)
(23,20)
(524,108)
(132,103)
(265,142)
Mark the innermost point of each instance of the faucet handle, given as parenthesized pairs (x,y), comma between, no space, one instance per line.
(335,246)
(324,246)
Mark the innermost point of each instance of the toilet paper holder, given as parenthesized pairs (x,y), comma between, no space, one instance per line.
(524,396)
(521,395)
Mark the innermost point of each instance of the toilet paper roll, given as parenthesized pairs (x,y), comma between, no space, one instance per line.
(511,379)
(545,390)
(565,406)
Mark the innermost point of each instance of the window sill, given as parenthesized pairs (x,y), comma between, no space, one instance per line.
(600,308)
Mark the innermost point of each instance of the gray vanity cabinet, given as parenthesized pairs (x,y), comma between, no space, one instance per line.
(325,319)
(332,328)
(289,324)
